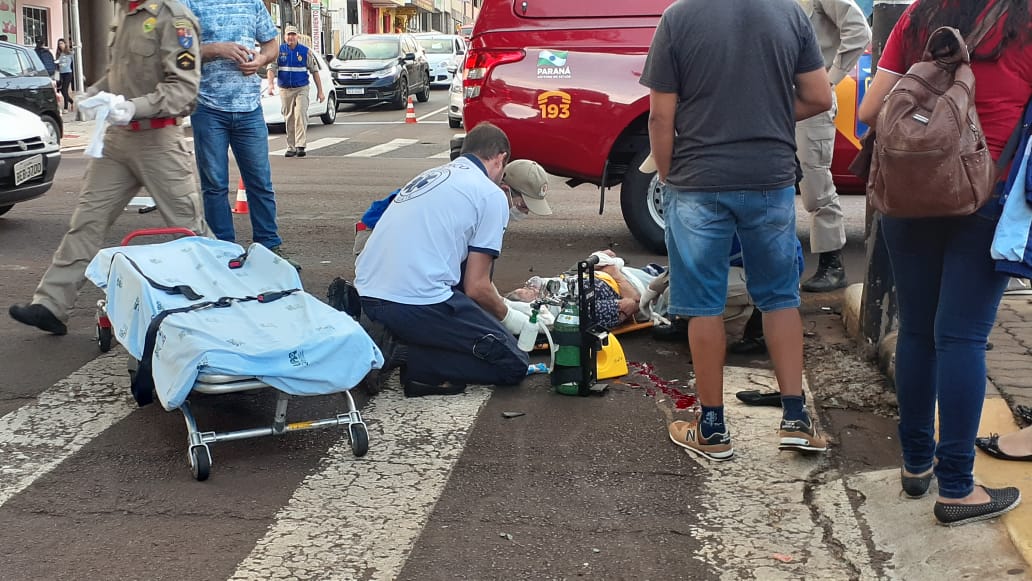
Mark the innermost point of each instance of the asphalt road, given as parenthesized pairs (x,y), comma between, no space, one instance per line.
(93,488)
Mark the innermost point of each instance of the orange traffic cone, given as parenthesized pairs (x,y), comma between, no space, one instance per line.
(410,112)
(241,199)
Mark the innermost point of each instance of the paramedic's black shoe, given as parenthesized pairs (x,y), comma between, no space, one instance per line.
(343,296)
(677,331)
(419,389)
(395,355)
(301,152)
(278,251)
(290,153)
(830,275)
(38,316)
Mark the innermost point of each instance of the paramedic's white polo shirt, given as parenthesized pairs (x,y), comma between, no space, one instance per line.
(417,250)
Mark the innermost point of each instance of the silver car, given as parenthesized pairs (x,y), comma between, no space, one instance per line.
(442,51)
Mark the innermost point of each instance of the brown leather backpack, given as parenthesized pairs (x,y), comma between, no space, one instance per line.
(930,157)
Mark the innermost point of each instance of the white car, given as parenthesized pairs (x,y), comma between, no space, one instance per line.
(29,156)
(455,98)
(272,107)
(442,51)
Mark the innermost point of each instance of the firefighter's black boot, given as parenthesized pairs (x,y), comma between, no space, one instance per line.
(830,275)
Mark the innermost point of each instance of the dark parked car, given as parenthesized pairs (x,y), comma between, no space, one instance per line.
(25,83)
(371,68)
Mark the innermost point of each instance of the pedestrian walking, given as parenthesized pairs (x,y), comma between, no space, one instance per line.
(64,69)
(144,146)
(946,285)
(725,154)
(843,35)
(237,38)
(291,70)
(46,57)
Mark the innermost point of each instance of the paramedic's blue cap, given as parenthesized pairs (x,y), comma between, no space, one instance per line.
(529,179)
(290,29)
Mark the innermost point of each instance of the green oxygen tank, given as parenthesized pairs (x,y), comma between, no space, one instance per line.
(566,373)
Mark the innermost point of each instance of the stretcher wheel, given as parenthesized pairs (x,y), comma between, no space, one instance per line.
(104,338)
(359,439)
(200,463)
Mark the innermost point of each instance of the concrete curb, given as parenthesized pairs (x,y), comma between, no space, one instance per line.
(996,418)
(885,351)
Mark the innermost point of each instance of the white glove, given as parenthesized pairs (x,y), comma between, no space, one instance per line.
(122,113)
(518,306)
(514,321)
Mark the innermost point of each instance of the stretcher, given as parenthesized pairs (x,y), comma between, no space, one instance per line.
(205,316)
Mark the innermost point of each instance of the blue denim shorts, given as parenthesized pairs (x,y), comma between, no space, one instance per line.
(699,230)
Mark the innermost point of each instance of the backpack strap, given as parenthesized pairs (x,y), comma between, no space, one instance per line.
(988,22)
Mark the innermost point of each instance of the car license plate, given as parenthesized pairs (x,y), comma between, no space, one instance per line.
(27,169)
(354,91)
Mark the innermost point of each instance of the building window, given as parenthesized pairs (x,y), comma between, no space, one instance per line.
(35,23)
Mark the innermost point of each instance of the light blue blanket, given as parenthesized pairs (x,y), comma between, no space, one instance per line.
(296,344)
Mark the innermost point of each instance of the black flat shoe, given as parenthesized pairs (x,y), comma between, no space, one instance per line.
(1001,500)
(915,486)
(991,446)
(758,398)
(38,316)
(748,346)
(420,389)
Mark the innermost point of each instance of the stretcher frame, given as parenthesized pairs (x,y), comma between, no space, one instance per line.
(198,441)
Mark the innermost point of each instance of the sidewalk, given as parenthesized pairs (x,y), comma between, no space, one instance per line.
(1009,383)
(76,133)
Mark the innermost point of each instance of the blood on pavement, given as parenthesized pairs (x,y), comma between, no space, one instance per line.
(682,400)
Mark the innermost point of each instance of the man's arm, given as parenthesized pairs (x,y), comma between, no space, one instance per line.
(880,87)
(224,50)
(854,36)
(813,94)
(662,109)
(313,69)
(266,54)
(478,285)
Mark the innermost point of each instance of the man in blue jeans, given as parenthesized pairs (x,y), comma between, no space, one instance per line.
(726,154)
(229,114)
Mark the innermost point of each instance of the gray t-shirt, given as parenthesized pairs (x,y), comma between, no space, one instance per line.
(732,64)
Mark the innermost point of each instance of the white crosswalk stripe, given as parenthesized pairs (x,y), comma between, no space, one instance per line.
(443,155)
(359,518)
(314,145)
(37,437)
(383,148)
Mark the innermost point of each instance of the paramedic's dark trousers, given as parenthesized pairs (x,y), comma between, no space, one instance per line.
(454,341)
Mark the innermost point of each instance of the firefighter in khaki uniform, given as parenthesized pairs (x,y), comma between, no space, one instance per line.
(154,63)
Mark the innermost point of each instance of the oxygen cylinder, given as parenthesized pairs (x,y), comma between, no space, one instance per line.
(567,370)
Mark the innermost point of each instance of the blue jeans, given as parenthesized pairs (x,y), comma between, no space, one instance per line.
(700,227)
(948,293)
(214,133)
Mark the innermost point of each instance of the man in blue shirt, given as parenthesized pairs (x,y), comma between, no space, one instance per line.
(229,114)
(291,71)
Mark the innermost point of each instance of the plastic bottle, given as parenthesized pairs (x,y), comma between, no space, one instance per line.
(567,356)
(529,333)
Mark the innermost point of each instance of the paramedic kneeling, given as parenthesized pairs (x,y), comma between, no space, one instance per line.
(425,273)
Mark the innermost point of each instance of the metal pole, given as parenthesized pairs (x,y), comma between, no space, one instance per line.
(878,304)
(80,77)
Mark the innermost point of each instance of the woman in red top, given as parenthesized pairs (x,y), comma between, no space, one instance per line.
(947,288)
